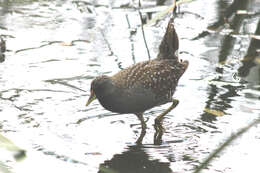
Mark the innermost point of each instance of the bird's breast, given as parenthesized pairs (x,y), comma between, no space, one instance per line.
(130,100)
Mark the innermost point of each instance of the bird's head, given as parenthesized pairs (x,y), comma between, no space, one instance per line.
(98,87)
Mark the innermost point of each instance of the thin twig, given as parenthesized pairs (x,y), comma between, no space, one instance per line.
(142,28)
(224,145)
(107,42)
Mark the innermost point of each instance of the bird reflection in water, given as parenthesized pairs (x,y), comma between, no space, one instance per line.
(136,160)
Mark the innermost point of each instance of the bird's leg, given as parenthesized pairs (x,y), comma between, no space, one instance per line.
(157,139)
(143,132)
(159,130)
(141,118)
(159,118)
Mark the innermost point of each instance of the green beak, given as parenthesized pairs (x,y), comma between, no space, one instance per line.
(92,97)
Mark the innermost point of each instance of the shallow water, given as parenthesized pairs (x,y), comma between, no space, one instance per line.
(55,49)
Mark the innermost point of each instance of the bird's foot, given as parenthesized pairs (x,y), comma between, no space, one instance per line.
(158,125)
(159,130)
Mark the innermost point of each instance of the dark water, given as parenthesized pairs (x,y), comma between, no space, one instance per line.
(55,49)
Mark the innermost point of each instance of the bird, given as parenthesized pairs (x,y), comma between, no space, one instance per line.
(144,85)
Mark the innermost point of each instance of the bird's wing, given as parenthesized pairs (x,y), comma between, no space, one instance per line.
(158,75)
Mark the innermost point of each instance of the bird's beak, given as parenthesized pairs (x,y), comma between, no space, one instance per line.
(92,97)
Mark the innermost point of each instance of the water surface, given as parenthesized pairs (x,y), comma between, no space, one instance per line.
(56,48)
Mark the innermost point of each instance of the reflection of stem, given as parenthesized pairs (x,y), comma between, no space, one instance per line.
(130,38)
(249,59)
(230,11)
(228,42)
(110,48)
(225,144)
(108,45)
(142,28)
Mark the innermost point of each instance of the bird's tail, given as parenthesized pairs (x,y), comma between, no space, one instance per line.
(170,43)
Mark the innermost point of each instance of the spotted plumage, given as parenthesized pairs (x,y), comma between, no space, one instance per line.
(145,84)
(161,76)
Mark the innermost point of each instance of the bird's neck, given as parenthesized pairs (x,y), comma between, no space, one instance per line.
(105,90)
